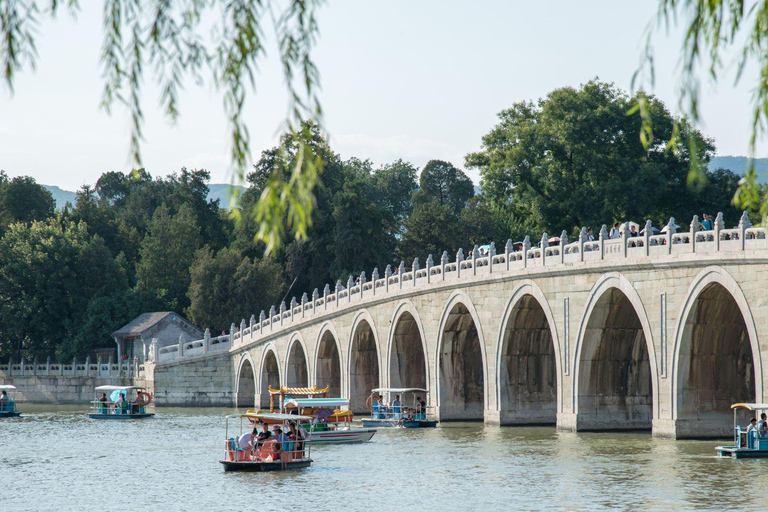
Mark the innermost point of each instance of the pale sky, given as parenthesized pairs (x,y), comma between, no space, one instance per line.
(400,79)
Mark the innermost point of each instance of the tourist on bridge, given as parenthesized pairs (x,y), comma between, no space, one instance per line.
(633,230)
(706,223)
(590,235)
(615,233)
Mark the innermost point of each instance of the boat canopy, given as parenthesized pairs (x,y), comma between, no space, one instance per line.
(275,416)
(398,390)
(116,388)
(7,386)
(751,407)
(317,402)
(299,391)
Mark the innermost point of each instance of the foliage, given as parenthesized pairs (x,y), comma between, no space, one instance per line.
(168,38)
(442,182)
(718,34)
(575,159)
(228,286)
(23,200)
(49,274)
(167,252)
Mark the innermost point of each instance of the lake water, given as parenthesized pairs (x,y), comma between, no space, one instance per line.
(55,458)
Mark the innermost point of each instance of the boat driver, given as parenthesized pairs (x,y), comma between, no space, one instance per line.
(762,426)
(4,400)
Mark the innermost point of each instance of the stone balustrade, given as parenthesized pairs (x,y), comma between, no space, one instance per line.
(526,256)
(74,368)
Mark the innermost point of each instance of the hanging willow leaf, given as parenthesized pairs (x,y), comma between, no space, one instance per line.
(166,36)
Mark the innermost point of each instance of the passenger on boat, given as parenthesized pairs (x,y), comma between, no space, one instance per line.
(119,403)
(297,435)
(762,426)
(4,401)
(136,404)
(268,450)
(421,409)
(396,406)
(103,404)
(752,428)
(284,442)
(246,444)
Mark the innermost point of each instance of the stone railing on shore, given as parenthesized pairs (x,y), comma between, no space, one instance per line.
(74,368)
(520,256)
(195,348)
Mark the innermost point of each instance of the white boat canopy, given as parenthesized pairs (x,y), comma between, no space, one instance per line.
(399,390)
(275,416)
(317,402)
(121,388)
(7,386)
(751,407)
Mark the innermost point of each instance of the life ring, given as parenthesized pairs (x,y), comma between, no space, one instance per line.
(144,398)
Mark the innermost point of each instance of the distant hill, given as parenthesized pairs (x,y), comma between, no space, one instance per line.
(220,191)
(61,196)
(738,164)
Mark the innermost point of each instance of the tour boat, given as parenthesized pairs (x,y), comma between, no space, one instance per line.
(8,408)
(267,455)
(397,415)
(329,424)
(116,404)
(747,443)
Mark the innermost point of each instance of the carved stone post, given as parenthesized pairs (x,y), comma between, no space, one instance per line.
(242,329)
(429,268)
(491,254)
(526,248)
(719,225)
(401,273)
(415,269)
(304,300)
(508,248)
(374,278)
(293,307)
(387,275)
(474,260)
(232,333)
(338,289)
(207,340)
(181,345)
(563,243)
(671,230)
(326,293)
(544,244)
(693,231)
(262,319)
(443,263)
(744,224)
(647,236)
(272,312)
(459,259)
(350,284)
(625,238)
(282,311)
(603,237)
(362,282)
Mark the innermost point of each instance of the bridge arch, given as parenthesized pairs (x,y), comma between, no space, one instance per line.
(716,357)
(269,374)
(363,360)
(245,390)
(460,362)
(529,366)
(296,364)
(407,354)
(329,366)
(615,369)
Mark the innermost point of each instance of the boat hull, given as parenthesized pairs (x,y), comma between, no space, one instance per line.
(741,453)
(120,416)
(265,466)
(10,414)
(355,435)
(380,423)
(420,424)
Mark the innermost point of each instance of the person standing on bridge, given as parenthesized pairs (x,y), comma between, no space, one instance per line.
(706,223)
(615,233)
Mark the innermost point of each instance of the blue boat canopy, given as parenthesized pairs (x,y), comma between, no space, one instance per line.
(317,402)
(274,416)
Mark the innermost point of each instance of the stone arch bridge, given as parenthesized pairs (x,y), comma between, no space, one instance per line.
(656,332)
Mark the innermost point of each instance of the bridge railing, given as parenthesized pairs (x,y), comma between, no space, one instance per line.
(515,257)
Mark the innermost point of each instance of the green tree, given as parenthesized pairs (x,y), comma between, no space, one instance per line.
(49,273)
(228,286)
(575,159)
(442,182)
(394,185)
(167,252)
(172,39)
(431,229)
(23,200)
